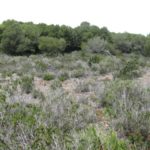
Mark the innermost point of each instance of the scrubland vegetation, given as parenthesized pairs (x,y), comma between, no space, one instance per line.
(73,89)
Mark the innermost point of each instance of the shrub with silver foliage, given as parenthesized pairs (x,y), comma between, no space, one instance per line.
(96,45)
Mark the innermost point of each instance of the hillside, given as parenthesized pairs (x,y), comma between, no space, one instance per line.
(79,101)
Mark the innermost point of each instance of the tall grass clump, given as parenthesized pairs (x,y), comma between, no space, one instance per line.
(27,84)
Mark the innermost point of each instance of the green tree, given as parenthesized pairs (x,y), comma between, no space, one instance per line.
(12,38)
(1,31)
(138,42)
(54,31)
(32,34)
(127,42)
(146,51)
(51,46)
(105,34)
(71,37)
(122,42)
(84,31)
(43,29)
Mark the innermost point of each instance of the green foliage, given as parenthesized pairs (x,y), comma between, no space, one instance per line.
(127,43)
(113,143)
(105,34)
(130,70)
(49,76)
(63,76)
(84,31)
(78,73)
(89,137)
(18,38)
(43,137)
(41,65)
(95,59)
(146,51)
(2,96)
(45,126)
(138,42)
(12,38)
(31,33)
(22,116)
(27,84)
(71,37)
(51,46)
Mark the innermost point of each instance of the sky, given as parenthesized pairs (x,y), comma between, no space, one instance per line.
(117,15)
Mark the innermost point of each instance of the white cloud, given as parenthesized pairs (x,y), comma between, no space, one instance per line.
(117,15)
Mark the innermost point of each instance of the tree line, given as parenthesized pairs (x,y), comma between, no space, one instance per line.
(19,38)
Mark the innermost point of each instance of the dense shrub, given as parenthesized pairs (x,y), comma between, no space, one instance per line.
(95,59)
(12,39)
(2,96)
(27,84)
(78,73)
(112,143)
(96,45)
(130,70)
(41,65)
(146,51)
(48,76)
(51,46)
(18,38)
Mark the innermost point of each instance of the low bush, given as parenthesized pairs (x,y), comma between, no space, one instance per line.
(56,84)
(41,66)
(48,76)
(78,73)
(94,59)
(130,70)
(63,76)
(113,143)
(27,84)
(2,96)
